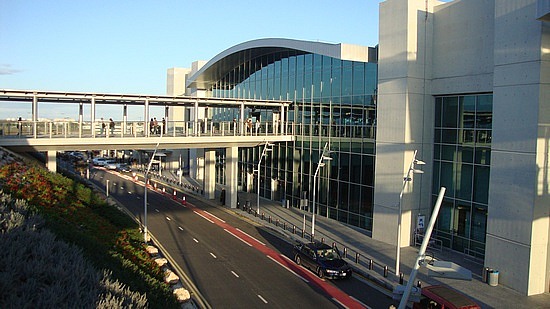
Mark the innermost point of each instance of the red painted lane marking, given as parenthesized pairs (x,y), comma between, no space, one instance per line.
(339,296)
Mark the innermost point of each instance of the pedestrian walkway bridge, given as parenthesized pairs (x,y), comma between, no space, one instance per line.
(38,134)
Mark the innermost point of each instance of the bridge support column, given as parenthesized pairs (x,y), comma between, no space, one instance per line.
(231,170)
(51,160)
(210,174)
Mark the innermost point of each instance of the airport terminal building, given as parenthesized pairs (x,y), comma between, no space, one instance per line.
(463,84)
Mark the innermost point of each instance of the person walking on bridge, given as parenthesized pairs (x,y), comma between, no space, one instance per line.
(112,125)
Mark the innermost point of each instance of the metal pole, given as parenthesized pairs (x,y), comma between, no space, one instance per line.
(398,249)
(264,153)
(319,165)
(420,258)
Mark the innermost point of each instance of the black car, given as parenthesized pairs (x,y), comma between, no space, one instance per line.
(322,259)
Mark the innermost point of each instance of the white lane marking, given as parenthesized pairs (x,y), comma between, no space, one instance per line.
(129,192)
(168,218)
(155,209)
(138,197)
(213,255)
(214,216)
(337,301)
(196,240)
(362,303)
(250,236)
(181,228)
(238,237)
(235,274)
(290,270)
(263,299)
(205,218)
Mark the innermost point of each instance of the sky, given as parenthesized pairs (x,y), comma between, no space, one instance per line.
(127,46)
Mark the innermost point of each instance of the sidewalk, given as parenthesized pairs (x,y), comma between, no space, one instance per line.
(360,249)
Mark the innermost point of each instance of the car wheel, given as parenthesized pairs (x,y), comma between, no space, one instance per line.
(320,273)
(298,260)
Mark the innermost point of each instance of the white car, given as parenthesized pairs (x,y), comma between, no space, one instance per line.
(110,164)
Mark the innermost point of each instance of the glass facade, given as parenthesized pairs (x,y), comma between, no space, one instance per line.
(462,157)
(334,102)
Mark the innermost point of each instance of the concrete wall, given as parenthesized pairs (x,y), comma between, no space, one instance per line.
(518,220)
(404,115)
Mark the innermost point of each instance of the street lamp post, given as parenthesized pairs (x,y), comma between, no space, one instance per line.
(267,147)
(324,156)
(145,232)
(406,179)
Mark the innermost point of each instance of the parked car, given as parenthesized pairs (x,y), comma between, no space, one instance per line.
(123,167)
(322,259)
(440,296)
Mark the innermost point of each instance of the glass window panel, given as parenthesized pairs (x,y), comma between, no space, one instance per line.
(436,174)
(343,189)
(468,136)
(481,184)
(437,152)
(358,79)
(438,110)
(462,219)
(464,181)
(344,172)
(355,192)
(445,218)
(449,136)
(367,177)
(437,136)
(347,79)
(447,177)
(355,171)
(450,112)
(467,105)
(448,152)
(483,155)
(479,222)
(466,154)
(484,113)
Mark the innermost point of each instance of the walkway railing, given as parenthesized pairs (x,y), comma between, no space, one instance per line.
(128,129)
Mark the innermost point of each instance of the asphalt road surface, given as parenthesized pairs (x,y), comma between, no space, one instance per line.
(233,262)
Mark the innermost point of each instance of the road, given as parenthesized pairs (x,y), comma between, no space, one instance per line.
(232,262)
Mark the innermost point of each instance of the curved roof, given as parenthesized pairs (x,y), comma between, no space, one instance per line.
(225,61)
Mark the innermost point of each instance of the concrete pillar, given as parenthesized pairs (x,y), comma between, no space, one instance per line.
(209,174)
(51,160)
(231,170)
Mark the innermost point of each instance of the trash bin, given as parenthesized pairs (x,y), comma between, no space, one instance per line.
(493,278)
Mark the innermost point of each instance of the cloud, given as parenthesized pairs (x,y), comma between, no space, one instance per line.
(6,69)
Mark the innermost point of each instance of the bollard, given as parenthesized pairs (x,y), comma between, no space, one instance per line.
(155,185)
(303,233)
(263,216)
(277,222)
(333,244)
(357,257)
(174,195)
(163,190)
(400,278)
(371,264)
(269,219)
(385,271)
(293,229)
(418,284)
(284,226)
(322,240)
(345,252)
(183,200)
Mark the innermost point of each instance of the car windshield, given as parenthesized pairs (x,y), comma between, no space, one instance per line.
(328,254)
